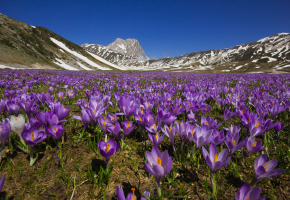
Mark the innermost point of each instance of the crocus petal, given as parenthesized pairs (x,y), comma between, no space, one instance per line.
(120,193)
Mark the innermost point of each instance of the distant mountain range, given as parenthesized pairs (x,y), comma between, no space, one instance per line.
(24,46)
(270,54)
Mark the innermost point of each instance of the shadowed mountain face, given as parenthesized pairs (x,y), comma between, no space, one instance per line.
(24,46)
(129,47)
(267,55)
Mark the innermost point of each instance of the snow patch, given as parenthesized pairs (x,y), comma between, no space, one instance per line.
(63,65)
(84,67)
(32,26)
(62,45)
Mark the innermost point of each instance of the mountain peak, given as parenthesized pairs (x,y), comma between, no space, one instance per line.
(129,47)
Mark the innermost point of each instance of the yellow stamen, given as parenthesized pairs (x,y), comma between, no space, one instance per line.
(215,157)
(133,197)
(140,119)
(148,105)
(170,128)
(142,110)
(156,136)
(108,147)
(154,125)
(32,136)
(158,161)
(175,109)
(249,119)
(205,107)
(266,166)
(55,129)
(254,144)
(234,142)
(265,105)
(95,111)
(104,122)
(192,132)
(128,124)
(24,102)
(112,119)
(258,124)
(16,119)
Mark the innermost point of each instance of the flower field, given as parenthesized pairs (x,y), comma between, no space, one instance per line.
(143,135)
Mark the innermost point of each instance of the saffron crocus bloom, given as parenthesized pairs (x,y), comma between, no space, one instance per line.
(218,136)
(228,114)
(202,136)
(5,130)
(278,127)
(232,130)
(107,149)
(2,182)
(17,124)
(246,193)
(115,130)
(56,130)
(131,195)
(233,144)
(156,139)
(169,132)
(191,117)
(86,118)
(153,128)
(266,169)
(127,127)
(60,95)
(253,146)
(32,135)
(158,164)
(214,160)
(210,122)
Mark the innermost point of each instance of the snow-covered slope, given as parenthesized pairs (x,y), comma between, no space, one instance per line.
(274,50)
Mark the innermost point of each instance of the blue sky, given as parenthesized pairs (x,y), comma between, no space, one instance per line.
(163,28)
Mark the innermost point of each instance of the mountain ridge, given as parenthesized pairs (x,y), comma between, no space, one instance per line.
(267,54)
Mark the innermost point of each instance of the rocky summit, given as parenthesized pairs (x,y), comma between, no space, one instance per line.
(129,47)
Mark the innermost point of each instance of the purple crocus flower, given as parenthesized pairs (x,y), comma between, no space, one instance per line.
(115,130)
(169,132)
(202,136)
(246,193)
(153,128)
(32,135)
(228,114)
(214,160)
(50,89)
(86,118)
(156,140)
(5,130)
(266,169)
(112,118)
(3,180)
(107,149)
(278,127)
(191,117)
(218,136)
(71,94)
(158,164)
(127,127)
(60,95)
(233,144)
(55,131)
(253,146)
(209,122)
(232,130)
(181,131)
(131,195)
